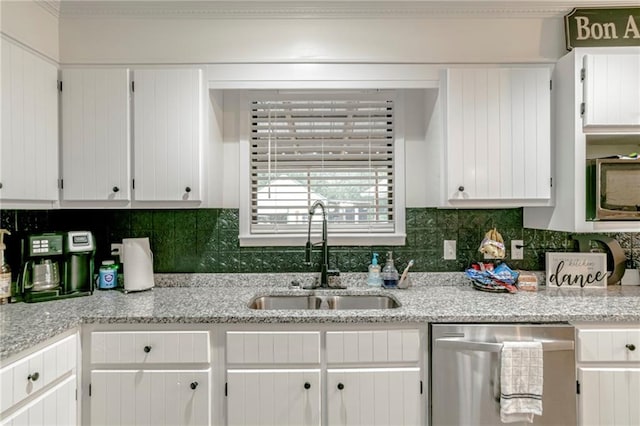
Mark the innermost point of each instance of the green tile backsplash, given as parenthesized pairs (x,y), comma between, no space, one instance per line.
(206,240)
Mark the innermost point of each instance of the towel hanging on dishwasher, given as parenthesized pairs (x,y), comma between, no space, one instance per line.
(521,377)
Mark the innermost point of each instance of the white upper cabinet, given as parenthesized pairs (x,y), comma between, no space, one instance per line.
(29,145)
(95,135)
(497,137)
(611,90)
(167,134)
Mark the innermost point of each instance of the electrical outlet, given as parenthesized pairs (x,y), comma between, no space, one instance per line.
(116,249)
(449,249)
(517,249)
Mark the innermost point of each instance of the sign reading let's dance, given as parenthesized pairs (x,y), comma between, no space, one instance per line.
(598,27)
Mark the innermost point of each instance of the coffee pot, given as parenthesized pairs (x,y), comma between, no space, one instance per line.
(45,275)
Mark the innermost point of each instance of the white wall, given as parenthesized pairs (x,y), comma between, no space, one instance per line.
(32,25)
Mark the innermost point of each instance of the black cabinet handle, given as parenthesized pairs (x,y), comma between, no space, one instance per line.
(147,349)
(340,386)
(307,385)
(34,376)
(630,346)
(461,188)
(193,385)
(0,185)
(187,189)
(115,189)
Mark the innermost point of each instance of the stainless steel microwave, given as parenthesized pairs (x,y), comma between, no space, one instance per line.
(613,189)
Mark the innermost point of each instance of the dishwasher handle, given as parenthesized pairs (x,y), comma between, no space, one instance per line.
(458,344)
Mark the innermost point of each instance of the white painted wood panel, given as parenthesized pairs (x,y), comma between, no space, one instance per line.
(49,364)
(268,347)
(167,134)
(609,345)
(124,347)
(273,397)
(29,144)
(95,121)
(370,397)
(609,396)
(612,90)
(498,135)
(150,397)
(373,346)
(56,407)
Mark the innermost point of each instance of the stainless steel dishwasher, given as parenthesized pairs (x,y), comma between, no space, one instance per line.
(465,373)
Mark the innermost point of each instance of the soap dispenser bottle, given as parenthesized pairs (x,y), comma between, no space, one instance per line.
(390,273)
(5,271)
(374,279)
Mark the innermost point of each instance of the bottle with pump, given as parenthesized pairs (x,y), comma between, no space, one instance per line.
(5,271)
(374,279)
(390,273)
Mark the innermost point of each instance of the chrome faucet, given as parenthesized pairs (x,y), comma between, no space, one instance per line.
(324,270)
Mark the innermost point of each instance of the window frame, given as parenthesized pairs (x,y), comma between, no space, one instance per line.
(248,239)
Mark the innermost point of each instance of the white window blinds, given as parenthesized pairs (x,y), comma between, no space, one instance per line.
(335,147)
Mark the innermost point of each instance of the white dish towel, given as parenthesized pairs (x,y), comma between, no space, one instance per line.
(520,381)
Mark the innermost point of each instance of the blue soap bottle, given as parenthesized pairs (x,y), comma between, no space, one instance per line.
(374,279)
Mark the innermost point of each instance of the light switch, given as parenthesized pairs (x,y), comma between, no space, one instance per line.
(449,249)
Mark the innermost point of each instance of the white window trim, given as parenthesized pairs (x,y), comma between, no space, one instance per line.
(397,238)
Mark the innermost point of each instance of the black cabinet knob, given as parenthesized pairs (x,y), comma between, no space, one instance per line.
(307,385)
(115,189)
(193,385)
(187,189)
(147,349)
(630,346)
(34,376)
(461,188)
(340,386)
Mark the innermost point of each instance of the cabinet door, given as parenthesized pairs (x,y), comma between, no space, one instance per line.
(384,396)
(56,407)
(95,134)
(29,144)
(273,397)
(150,397)
(609,396)
(498,135)
(167,134)
(611,90)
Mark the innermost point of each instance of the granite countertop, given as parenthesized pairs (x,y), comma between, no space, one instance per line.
(215,298)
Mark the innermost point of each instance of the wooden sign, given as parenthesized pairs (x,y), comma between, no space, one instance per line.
(600,27)
(576,270)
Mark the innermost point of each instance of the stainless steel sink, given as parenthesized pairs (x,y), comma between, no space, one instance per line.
(351,301)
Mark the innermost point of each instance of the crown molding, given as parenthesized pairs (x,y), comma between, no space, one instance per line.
(310,9)
(51,6)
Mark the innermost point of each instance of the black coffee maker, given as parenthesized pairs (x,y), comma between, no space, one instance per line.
(57,266)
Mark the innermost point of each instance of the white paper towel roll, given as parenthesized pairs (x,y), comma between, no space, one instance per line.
(137,260)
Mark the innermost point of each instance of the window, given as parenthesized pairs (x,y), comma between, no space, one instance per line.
(337,147)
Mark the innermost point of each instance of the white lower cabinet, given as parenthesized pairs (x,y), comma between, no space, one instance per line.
(273,397)
(148,377)
(56,407)
(325,377)
(150,397)
(40,387)
(375,396)
(608,371)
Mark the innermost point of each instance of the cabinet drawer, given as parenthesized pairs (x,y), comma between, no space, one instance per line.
(30,374)
(622,345)
(148,347)
(273,347)
(373,346)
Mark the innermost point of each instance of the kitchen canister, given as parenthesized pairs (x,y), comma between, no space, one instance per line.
(108,275)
